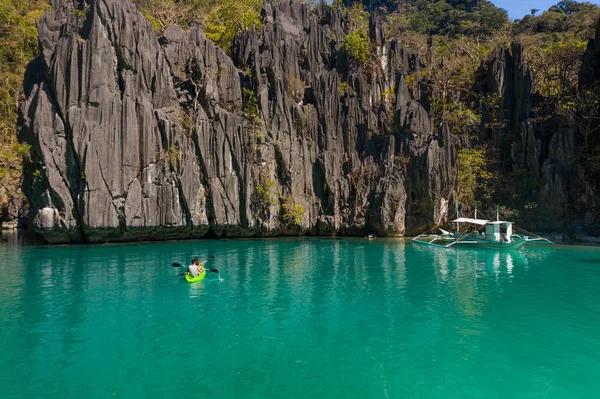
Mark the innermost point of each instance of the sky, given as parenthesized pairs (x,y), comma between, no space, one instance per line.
(520,8)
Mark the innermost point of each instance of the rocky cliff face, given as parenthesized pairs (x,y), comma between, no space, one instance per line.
(542,148)
(139,137)
(142,138)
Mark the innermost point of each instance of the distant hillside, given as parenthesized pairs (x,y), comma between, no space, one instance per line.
(555,42)
(450,17)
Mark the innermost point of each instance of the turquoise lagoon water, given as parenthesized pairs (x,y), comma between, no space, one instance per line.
(305,318)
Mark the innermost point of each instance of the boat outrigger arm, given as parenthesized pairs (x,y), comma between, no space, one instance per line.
(495,234)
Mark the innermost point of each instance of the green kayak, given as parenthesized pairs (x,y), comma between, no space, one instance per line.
(190,279)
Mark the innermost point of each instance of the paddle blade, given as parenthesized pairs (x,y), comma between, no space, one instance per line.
(177,265)
(181,275)
(211,258)
(213,270)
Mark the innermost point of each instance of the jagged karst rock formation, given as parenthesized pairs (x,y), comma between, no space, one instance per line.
(138,137)
(143,138)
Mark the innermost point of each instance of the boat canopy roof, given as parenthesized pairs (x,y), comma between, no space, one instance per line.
(481,222)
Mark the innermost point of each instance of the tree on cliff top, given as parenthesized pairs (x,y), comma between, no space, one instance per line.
(162,13)
(231,17)
(356,42)
(220,19)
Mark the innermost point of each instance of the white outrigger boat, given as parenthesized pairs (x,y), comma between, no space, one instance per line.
(481,233)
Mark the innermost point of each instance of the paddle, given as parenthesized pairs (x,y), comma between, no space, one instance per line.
(210,270)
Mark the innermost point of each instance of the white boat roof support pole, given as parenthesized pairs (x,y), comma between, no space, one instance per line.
(457,218)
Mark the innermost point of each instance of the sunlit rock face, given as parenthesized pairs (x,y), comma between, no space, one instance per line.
(138,137)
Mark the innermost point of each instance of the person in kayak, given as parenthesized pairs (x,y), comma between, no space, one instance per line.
(196,268)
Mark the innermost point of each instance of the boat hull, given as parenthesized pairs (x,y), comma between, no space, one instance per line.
(515,244)
(190,279)
(447,242)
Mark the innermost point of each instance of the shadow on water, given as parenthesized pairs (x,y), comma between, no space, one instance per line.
(19,238)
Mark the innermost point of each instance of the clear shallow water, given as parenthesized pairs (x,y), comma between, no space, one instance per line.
(319,318)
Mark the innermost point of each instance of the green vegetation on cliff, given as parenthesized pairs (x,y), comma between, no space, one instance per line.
(162,13)
(554,44)
(448,18)
(221,19)
(18,46)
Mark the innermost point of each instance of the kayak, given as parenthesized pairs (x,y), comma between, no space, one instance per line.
(190,279)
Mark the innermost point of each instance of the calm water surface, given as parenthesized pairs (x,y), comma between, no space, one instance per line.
(320,318)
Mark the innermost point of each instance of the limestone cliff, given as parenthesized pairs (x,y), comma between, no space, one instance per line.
(142,138)
(139,137)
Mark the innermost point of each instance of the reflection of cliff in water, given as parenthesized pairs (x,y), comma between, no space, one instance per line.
(20,237)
